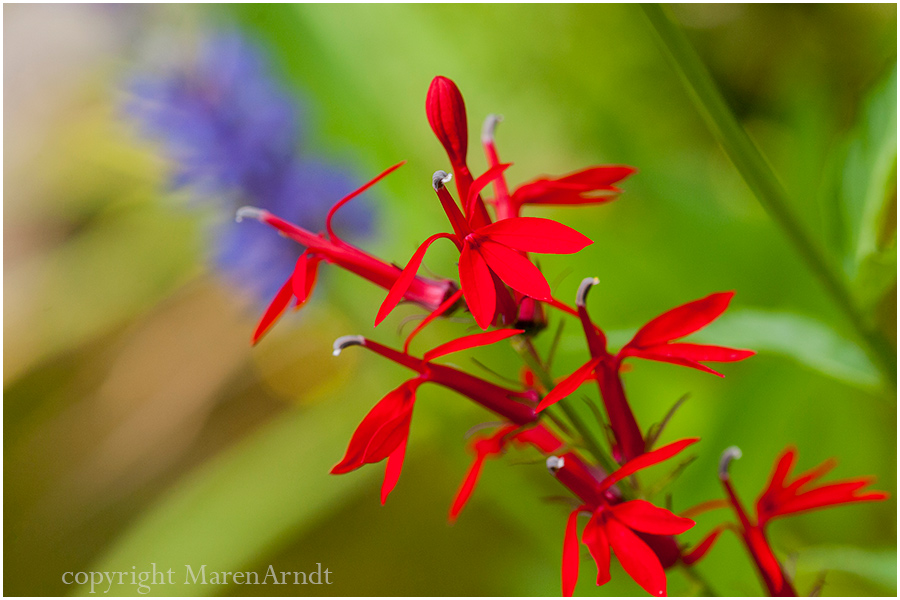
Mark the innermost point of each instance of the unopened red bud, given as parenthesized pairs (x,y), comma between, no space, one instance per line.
(446,112)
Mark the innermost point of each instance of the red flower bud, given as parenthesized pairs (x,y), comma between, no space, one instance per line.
(447,116)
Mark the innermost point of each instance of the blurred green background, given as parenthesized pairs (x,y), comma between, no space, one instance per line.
(140,427)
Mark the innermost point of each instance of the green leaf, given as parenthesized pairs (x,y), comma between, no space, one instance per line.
(869,195)
(804,339)
(878,566)
(242,505)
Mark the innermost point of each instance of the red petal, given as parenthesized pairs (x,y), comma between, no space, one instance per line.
(479,184)
(391,411)
(304,278)
(515,270)
(353,195)
(637,558)
(406,278)
(568,385)
(471,341)
(574,188)
(446,112)
(392,470)
(703,547)
(478,286)
(646,460)
(570,557)
(275,309)
(682,320)
(468,485)
(675,360)
(444,307)
(813,474)
(842,492)
(700,352)
(594,537)
(768,500)
(643,516)
(533,234)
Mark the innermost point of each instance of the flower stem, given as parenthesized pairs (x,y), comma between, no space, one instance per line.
(759,176)
(530,356)
(702,587)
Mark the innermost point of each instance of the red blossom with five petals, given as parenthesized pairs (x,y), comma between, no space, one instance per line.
(616,526)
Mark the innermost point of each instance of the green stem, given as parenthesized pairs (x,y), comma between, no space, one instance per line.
(703,587)
(530,356)
(759,176)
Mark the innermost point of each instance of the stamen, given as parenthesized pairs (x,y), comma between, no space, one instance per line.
(248,212)
(583,289)
(555,463)
(731,453)
(489,128)
(440,178)
(346,341)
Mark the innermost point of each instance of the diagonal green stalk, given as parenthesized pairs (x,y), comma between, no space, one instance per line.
(759,176)
(530,357)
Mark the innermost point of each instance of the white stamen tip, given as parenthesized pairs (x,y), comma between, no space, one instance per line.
(731,453)
(555,463)
(248,212)
(345,341)
(584,288)
(489,128)
(440,179)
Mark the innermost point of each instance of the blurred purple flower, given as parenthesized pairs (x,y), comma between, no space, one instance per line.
(233,135)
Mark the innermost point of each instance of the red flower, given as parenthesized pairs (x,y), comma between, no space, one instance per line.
(593,185)
(652,342)
(330,248)
(384,430)
(615,525)
(781,497)
(491,252)
(486,447)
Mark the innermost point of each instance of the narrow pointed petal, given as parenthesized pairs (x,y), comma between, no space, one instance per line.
(812,475)
(768,500)
(392,470)
(594,537)
(700,352)
(274,311)
(643,516)
(675,360)
(570,557)
(471,341)
(477,286)
(636,558)
(304,278)
(841,492)
(534,234)
(353,195)
(582,187)
(646,460)
(406,278)
(467,487)
(440,310)
(682,320)
(446,113)
(700,550)
(568,385)
(515,270)
(492,174)
(390,411)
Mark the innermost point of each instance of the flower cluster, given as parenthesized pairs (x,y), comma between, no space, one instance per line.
(509,299)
